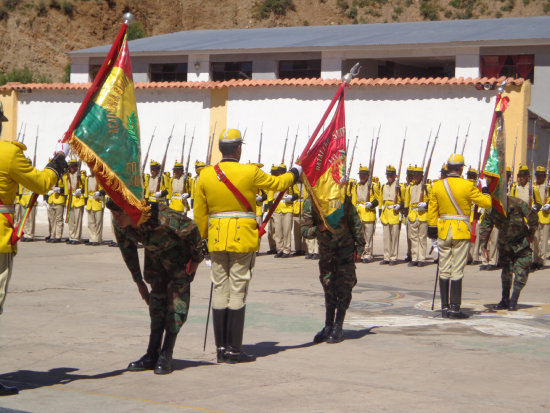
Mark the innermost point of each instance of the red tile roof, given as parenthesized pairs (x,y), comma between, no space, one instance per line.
(453,81)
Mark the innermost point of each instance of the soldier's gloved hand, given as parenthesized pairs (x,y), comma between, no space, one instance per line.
(390,206)
(158,194)
(78,192)
(368,205)
(432,232)
(62,147)
(287,198)
(97,194)
(50,192)
(184,196)
(422,206)
(536,207)
(58,164)
(143,291)
(259,198)
(546,207)
(396,207)
(484,186)
(56,189)
(435,248)
(296,171)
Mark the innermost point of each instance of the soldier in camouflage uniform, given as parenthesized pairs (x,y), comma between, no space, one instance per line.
(173,251)
(336,264)
(515,254)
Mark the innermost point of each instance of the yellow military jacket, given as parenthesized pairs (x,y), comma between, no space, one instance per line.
(94,203)
(72,183)
(151,185)
(58,198)
(413,194)
(260,204)
(541,197)
(442,213)
(221,217)
(300,190)
(359,198)
(386,201)
(24,196)
(15,170)
(175,191)
(192,186)
(522,192)
(285,207)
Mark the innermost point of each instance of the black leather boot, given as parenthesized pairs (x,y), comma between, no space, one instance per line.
(8,390)
(456,299)
(505,300)
(329,323)
(219,321)
(513,305)
(444,294)
(337,333)
(164,363)
(149,360)
(235,329)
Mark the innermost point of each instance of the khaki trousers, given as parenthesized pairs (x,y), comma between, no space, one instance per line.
(6,267)
(492,246)
(418,237)
(283,232)
(453,255)
(473,252)
(299,242)
(28,229)
(271,235)
(55,218)
(75,223)
(95,225)
(540,244)
(19,211)
(409,244)
(391,241)
(231,273)
(368,235)
(312,246)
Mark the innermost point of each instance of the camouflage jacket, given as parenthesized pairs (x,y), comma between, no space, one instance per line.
(513,229)
(349,226)
(166,235)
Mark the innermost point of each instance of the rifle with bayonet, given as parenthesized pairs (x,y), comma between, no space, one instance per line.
(20,132)
(294,147)
(35,146)
(397,187)
(427,171)
(456,141)
(147,153)
(187,163)
(284,148)
(532,180)
(426,150)
(352,156)
(514,161)
(183,145)
(211,144)
(163,163)
(371,164)
(260,146)
(24,133)
(466,139)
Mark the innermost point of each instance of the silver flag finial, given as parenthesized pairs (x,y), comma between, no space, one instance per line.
(352,73)
(128,18)
(502,86)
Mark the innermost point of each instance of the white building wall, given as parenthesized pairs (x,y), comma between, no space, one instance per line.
(416,108)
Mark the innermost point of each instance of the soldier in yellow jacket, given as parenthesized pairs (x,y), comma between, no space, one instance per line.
(282,217)
(15,170)
(176,196)
(75,183)
(406,186)
(540,241)
(271,228)
(365,199)
(449,222)
(199,165)
(230,226)
(416,205)
(299,242)
(24,199)
(154,185)
(95,206)
(56,208)
(390,203)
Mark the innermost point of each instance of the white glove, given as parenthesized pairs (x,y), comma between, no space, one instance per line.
(298,168)
(397,207)
(368,205)
(184,196)
(50,192)
(57,189)
(158,194)
(62,147)
(97,194)
(546,207)
(535,208)
(422,206)
(258,198)
(435,248)
(287,198)
(391,206)
(78,192)
(483,182)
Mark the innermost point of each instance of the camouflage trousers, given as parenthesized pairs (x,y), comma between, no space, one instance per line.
(515,267)
(170,291)
(337,276)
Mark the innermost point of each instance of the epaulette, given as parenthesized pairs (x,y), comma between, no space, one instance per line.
(20,145)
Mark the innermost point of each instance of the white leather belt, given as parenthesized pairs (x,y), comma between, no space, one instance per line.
(455,217)
(233,214)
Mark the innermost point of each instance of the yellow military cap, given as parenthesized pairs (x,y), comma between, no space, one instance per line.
(508,169)
(154,164)
(472,170)
(282,167)
(455,159)
(417,169)
(72,162)
(230,136)
(390,170)
(363,169)
(274,168)
(410,169)
(199,164)
(540,170)
(178,165)
(523,170)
